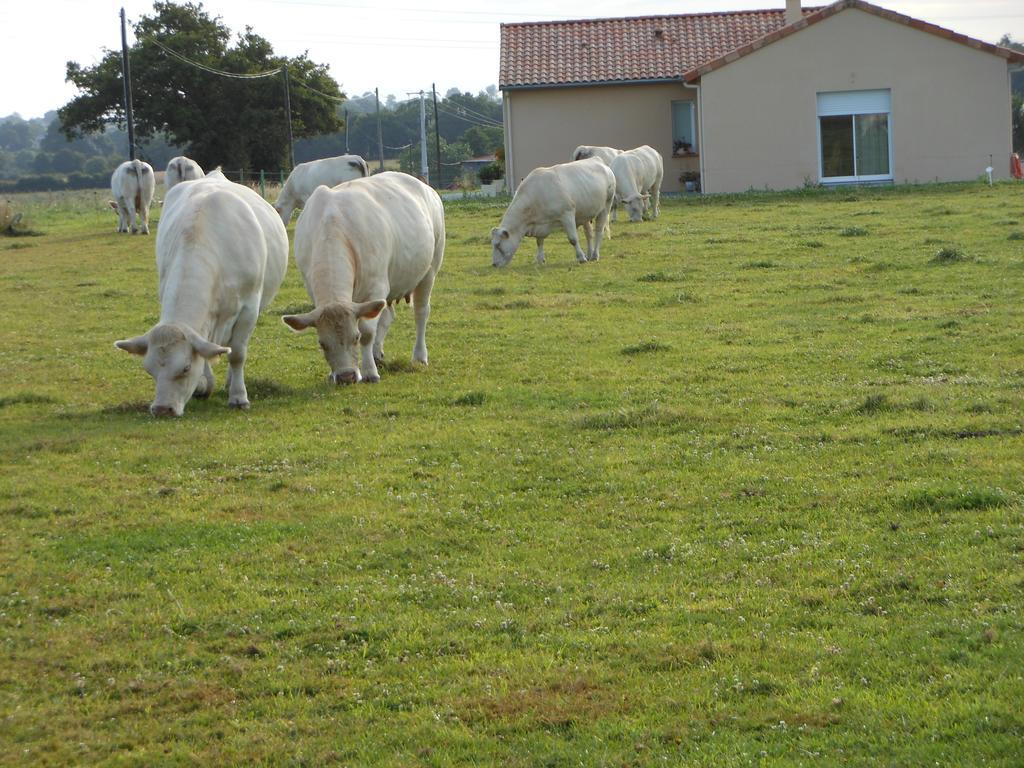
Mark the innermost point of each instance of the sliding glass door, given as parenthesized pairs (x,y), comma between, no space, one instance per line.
(854,136)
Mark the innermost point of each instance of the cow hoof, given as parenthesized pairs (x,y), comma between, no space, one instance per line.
(242,405)
(371,379)
(595,257)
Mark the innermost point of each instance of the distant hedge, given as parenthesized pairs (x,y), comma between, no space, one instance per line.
(55,182)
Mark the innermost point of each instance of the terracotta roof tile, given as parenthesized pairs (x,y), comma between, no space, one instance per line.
(625,49)
(652,48)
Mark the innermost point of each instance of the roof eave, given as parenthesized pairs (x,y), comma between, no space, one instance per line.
(591,83)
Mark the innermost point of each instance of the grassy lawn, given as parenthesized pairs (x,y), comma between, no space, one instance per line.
(747,491)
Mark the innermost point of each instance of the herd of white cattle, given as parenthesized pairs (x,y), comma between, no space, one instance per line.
(362,243)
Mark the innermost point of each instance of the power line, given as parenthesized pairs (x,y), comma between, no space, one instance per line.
(472,112)
(211,70)
(472,121)
(308,87)
(236,75)
(433,11)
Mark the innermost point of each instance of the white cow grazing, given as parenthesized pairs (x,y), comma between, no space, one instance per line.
(221,254)
(638,174)
(606,154)
(132,183)
(181,169)
(305,177)
(563,196)
(361,247)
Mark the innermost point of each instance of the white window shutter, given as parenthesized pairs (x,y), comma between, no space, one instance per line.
(854,102)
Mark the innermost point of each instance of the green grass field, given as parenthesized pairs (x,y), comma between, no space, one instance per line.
(747,491)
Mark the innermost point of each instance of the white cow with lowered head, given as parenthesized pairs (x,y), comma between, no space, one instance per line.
(221,253)
(558,197)
(638,174)
(606,154)
(181,169)
(132,184)
(305,177)
(361,247)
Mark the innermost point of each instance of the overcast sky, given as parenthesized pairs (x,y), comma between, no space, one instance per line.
(394,45)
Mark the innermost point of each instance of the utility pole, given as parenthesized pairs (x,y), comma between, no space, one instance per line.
(437,138)
(346,130)
(126,76)
(380,135)
(288,118)
(424,169)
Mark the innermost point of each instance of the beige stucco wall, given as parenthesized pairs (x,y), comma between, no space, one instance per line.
(544,126)
(950,104)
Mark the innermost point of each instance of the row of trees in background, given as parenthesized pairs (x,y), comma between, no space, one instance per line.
(236,119)
(35,154)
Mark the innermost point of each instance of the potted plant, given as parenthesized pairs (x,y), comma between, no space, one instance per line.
(690,181)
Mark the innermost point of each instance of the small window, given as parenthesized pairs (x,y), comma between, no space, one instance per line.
(684,129)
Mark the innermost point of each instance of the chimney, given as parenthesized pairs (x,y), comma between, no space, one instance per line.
(793,12)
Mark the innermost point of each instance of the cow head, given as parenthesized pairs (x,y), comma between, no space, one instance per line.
(635,206)
(503,246)
(341,331)
(175,356)
(284,210)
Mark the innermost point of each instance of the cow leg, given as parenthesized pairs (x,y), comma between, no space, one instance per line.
(144,215)
(384,321)
(129,207)
(540,250)
(601,226)
(122,218)
(367,334)
(656,200)
(205,387)
(421,306)
(238,396)
(588,232)
(569,224)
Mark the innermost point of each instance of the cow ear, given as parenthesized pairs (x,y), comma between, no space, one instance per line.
(369,309)
(208,349)
(502,233)
(112,204)
(136,346)
(301,322)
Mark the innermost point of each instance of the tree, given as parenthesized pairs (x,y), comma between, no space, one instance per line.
(483,140)
(231,121)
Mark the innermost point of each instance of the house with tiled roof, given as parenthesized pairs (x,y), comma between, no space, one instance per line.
(772,99)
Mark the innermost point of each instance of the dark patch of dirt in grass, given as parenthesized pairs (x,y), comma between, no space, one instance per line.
(27,398)
(558,704)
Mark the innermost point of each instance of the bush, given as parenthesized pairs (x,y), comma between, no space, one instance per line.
(88,180)
(491,172)
(40,183)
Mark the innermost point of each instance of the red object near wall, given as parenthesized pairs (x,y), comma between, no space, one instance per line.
(1015,168)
